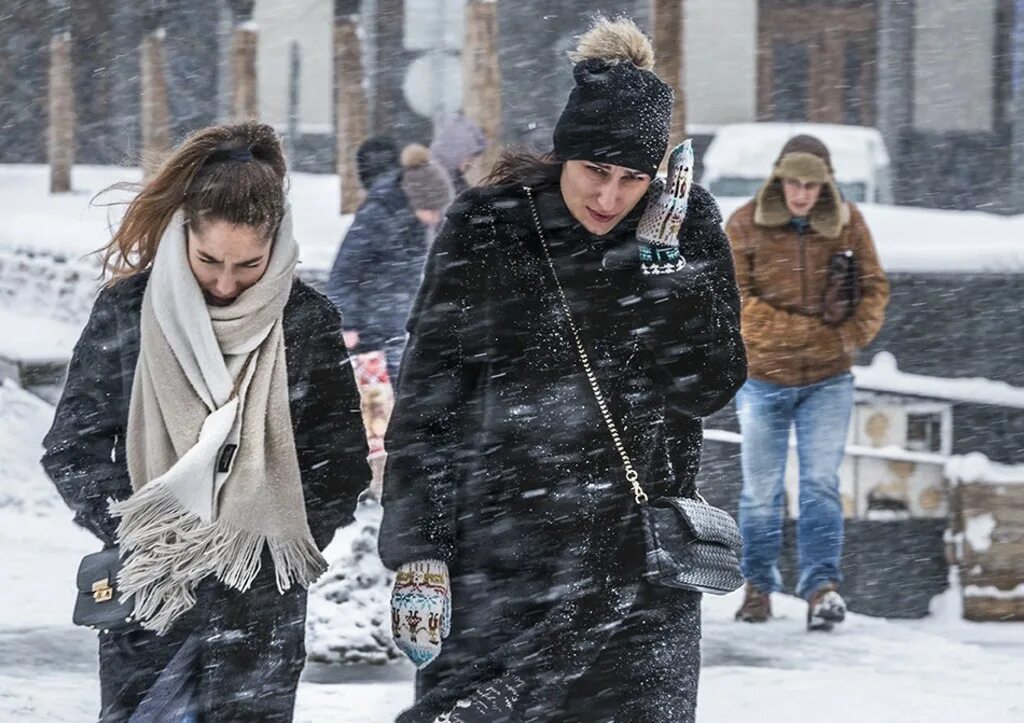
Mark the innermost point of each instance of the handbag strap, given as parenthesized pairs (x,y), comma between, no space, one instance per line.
(631,474)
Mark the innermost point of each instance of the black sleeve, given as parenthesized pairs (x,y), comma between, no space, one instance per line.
(355,263)
(330,440)
(424,437)
(84,449)
(692,321)
(693,331)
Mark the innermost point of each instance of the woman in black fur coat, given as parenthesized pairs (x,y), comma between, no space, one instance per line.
(502,477)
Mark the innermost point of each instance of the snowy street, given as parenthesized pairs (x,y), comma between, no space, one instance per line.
(941,670)
(417,360)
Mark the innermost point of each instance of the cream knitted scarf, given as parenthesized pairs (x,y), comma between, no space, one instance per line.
(214,469)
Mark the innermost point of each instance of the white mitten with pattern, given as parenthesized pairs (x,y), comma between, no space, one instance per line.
(421,610)
(658,231)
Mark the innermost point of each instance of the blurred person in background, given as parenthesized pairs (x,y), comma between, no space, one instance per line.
(375,277)
(375,157)
(813,295)
(458,144)
(211,399)
(380,262)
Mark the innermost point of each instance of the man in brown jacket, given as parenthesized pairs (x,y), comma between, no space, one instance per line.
(813,294)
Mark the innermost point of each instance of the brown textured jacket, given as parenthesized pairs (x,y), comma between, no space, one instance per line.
(782,276)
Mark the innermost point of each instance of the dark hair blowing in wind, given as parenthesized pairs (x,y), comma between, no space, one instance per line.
(233,173)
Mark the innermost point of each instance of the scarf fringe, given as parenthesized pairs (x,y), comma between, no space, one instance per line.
(167,550)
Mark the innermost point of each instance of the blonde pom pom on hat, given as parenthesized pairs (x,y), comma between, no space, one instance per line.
(425,183)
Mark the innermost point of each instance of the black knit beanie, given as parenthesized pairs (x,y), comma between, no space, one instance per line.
(620,111)
(375,157)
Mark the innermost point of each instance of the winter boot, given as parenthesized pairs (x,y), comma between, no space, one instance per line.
(756,607)
(825,608)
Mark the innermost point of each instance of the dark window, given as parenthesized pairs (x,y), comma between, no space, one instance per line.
(852,89)
(924,432)
(790,64)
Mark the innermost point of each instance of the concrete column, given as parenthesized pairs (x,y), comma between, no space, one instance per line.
(894,98)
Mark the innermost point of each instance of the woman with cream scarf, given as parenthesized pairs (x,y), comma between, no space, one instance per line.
(211,428)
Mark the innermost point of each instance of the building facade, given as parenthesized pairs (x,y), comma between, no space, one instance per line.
(936,77)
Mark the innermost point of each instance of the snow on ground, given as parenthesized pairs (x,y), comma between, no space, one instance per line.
(31,338)
(33,218)
(940,670)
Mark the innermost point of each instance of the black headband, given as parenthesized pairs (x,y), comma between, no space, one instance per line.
(221,155)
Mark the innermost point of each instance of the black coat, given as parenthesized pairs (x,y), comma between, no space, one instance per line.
(499,461)
(379,266)
(252,643)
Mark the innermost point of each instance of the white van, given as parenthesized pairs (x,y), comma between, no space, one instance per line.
(741,157)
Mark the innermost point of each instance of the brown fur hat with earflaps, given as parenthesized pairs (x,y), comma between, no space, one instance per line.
(807,159)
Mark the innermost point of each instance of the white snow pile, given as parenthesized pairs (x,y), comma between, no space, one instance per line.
(884,375)
(978,531)
(45,299)
(24,420)
(349,617)
(977,468)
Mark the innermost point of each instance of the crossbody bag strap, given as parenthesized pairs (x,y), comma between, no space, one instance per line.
(631,474)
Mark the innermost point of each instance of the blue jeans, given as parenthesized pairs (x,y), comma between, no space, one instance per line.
(821,413)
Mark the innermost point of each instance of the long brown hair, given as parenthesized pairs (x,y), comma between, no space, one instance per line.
(233,173)
(524,168)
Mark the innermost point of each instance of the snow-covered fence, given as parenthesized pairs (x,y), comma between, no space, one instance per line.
(987,529)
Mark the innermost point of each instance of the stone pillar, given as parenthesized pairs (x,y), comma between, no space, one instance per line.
(351,114)
(61,138)
(895,87)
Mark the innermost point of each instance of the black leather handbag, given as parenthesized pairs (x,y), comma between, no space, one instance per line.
(99,604)
(842,288)
(690,544)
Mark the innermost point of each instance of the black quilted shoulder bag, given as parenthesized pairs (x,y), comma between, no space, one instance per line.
(690,544)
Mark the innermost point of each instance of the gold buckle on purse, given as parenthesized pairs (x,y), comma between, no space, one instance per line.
(102,591)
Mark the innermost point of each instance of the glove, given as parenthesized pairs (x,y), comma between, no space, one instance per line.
(421,610)
(658,231)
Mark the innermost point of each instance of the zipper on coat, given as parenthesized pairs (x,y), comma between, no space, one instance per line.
(801,236)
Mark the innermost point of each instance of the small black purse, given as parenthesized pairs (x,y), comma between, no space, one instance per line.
(842,288)
(99,604)
(690,544)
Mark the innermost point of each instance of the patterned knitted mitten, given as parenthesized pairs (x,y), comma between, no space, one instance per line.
(421,610)
(658,232)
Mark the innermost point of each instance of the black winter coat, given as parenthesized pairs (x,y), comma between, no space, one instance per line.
(500,464)
(251,650)
(379,266)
